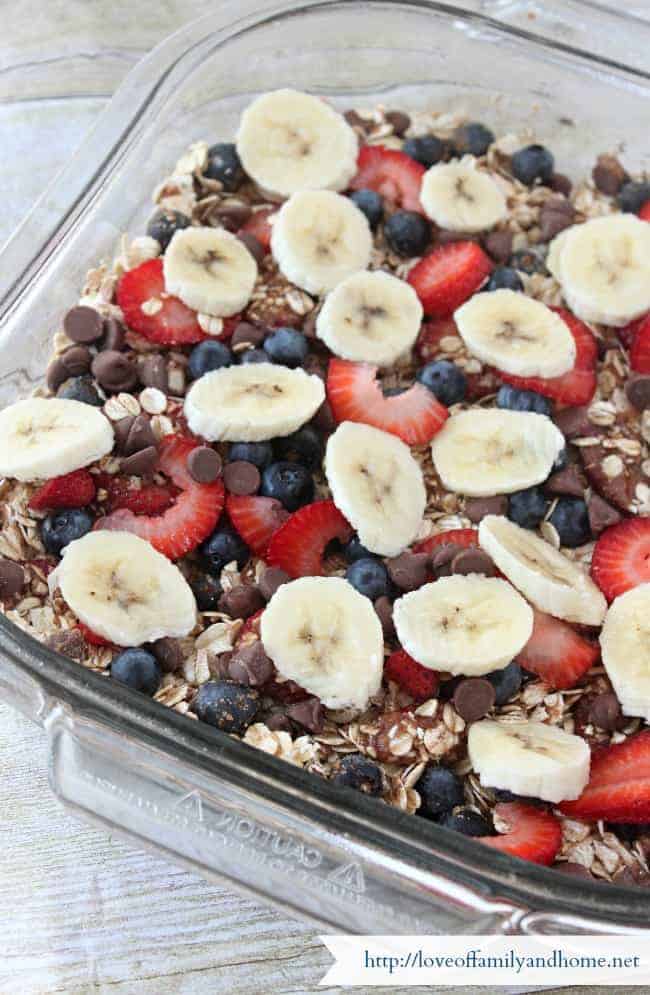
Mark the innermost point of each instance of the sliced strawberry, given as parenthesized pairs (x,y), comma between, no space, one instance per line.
(298,545)
(644,213)
(621,557)
(619,783)
(173,324)
(457,537)
(390,173)
(190,519)
(258,225)
(427,345)
(256,519)
(355,395)
(450,274)
(640,348)
(92,638)
(532,833)
(628,333)
(152,499)
(72,490)
(418,681)
(556,653)
(579,384)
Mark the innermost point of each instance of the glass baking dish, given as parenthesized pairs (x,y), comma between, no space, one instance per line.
(124,761)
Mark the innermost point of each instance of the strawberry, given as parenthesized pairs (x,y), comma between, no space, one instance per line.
(532,833)
(578,385)
(621,557)
(92,638)
(258,226)
(151,499)
(390,173)
(173,324)
(628,333)
(72,490)
(556,653)
(457,537)
(446,277)
(619,783)
(298,545)
(191,518)
(418,681)
(256,519)
(427,346)
(355,395)
(640,348)
(644,213)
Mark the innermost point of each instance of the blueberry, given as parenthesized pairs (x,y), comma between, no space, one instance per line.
(440,790)
(259,453)
(527,508)
(571,520)
(514,399)
(222,547)
(633,196)
(208,355)
(228,706)
(287,347)
(357,771)
(528,261)
(207,591)
(444,379)
(353,550)
(427,149)
(505,278)
(62,527)
(253,356)
(80,389)
(408,233)
(369,577)
(290,483)
(506,682)
(532,163)
(466,821)
(370,204)
(138,669)
(473,139)
(164,223)
(304,446)
(224,165)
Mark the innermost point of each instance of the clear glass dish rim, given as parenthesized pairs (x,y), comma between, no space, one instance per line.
(412,841)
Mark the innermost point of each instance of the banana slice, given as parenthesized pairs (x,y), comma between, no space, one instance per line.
(516,334)
(371,317)
(549,580)
(603,267)
(327,637)
(290,141)
(460,197)
(489,451)
(529,758)
(377,485)
(210,270)
(46,437)
(319,238)
(126,591)
(625,645)
(464,624)
(252,403)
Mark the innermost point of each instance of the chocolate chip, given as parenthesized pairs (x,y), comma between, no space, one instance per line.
(498,245)
(250,665)
(140,436)
(477,508)
(605,711)
(12,579)
(74,362)
(241,601)
(441,557)
(601,515)
(445,236)
(83,324)
(218,665)
(637,389)
(323,421)
(121,431)
(233,216)
(114,372)
(472,561)
(384,609)
(114,334)
(152,371)
(560,183)
(408,571)
(271,580)
(609,175)
(56,375)
(308,713)
(69,643)
(247,334)
(253,245)
(574,422)
(315,366)
(574,870)
(169,654)
(277,721)
(355,120)
(473,698)
(567,481)
(204,465)
(556,214)
(400,121)
(241,477)
(141,464)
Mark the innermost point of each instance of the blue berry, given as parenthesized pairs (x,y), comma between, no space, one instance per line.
(259,453)
(571,521)
(62,527)
(408,233)
(466,821)
(445,380)
(289,483)
(353,550)
(228,706)
(472,139)
(138,669)
(207,591)
(80,389)
(532,163)
(222,547)
(287,347)
(633,196)
(369,577)
(527,508)
(357,771)
(224,165)
(207,356)
(440,790)
(304,446)
(253,356)
(506,682)
(514,399)
(528,261)
(505,278)
(163,225)
(370,204)
(427,149)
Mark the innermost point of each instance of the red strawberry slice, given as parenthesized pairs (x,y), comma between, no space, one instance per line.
(355,395)
(298,545)
(556,653)
(418,681)
(190,519)
(621,557)
(579,384)
(258,225)
(256,519)
(152,499)
(72,490)
(173,324)
(619,783)
(92,638)
(640,348)
(644,213)
(450,274)
(457,537)
(628,333)
(533,834)
(390,173)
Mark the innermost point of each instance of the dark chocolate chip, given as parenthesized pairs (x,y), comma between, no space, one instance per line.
(400,121)
(560,183)
(637,389)
(574,422)
(152,371)
(473,698)
(567,481)
(114,372)
(69,643)
(12,579)
(253,245)
(473,561)
(498,245)
(556,214)
(601,515)
(271,580)
(247,334)
(277,721)
(241,601)
(56,375)
(323,421)
(408,571)
(83,325)
(204,465)
(233,216)
(574,870)
(169,653)
(445,236)
(218,665)
(441,557)
(609,175)
(250,665)
(477,508)
(241,477)
(605,711)
(384,609)
(121,431)
(141,464)
(355,120)
(308,713)
(74,362)
(114,334)
(140,436)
